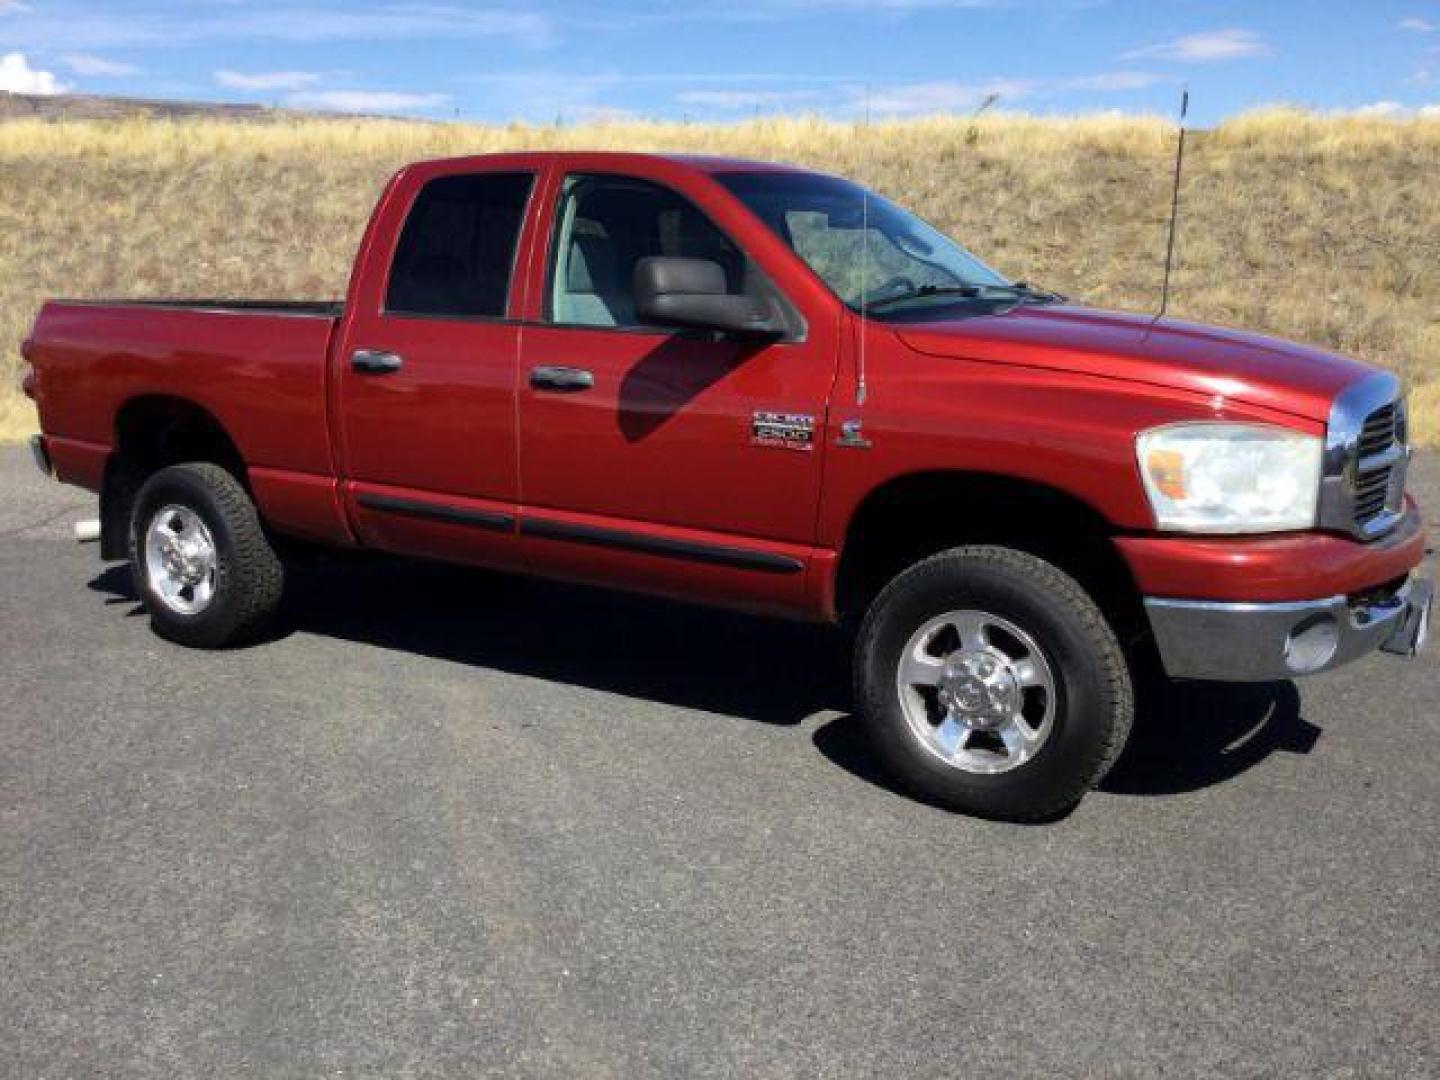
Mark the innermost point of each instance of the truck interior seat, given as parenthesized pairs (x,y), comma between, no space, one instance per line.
(595,293)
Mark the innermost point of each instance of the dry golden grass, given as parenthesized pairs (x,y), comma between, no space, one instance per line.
(1322,229)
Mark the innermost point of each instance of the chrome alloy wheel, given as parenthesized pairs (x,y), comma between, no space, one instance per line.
(180,560)
(976,691)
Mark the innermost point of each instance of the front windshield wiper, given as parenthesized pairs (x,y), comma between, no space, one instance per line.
(968,292)
(1026,291)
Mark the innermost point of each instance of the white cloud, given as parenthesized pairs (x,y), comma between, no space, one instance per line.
(1392,110)
(745,99)
(1417,26)
(153,23)
(1211,46)
(388,21)
(894,5)
(18,77)
(942,97)
(98,66)
(543,96)
(951,97)
(1386,109)
(1112,80)
(367,101)
(267,80)
(12,6)
(604,114)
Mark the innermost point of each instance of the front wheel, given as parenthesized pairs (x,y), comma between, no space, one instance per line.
(989,682)
(200,557)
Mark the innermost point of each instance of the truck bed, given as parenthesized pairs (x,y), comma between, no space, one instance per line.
(258,367)
(323,309)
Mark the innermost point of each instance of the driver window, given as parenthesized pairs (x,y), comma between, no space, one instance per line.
(607,224)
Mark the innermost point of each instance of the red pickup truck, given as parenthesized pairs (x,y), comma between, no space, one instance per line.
(762,387)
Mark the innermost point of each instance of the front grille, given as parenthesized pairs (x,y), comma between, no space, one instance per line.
(1382,440)
(1379,430)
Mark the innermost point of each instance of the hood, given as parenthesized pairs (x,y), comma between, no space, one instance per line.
(1209,360)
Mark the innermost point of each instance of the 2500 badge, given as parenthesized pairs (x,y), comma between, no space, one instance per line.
(786,431)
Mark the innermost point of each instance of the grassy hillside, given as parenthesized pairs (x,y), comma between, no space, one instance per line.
(1322,229)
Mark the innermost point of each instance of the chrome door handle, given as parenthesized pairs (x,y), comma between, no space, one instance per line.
(371,362)
(563,380)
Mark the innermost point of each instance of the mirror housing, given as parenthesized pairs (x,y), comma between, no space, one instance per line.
(691,293)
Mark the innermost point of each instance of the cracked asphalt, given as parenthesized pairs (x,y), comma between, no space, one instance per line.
(451,824)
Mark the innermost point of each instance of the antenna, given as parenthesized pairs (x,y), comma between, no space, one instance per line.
(1174,205)
(860,387)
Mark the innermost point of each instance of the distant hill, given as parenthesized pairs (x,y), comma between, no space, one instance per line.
(95,107)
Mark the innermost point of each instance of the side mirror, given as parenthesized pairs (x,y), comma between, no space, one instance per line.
(671,291)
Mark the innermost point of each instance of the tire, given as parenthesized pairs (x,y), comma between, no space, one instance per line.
(1020,723)
(238,577)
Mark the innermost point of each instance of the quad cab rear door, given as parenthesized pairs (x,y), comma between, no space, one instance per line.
(423,385)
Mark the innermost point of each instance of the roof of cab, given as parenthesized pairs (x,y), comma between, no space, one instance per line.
(706,163)
(718,163)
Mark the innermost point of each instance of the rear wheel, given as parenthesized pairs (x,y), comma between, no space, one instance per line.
(990,682)
(200,557)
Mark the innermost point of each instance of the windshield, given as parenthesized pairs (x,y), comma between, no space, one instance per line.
(875,256)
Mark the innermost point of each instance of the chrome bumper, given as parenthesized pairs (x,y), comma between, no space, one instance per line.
(1263,642)
(41,455)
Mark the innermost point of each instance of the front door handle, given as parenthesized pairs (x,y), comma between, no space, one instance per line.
(371,362)
(563,380)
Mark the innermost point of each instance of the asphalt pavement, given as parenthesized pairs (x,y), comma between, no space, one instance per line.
(446,823)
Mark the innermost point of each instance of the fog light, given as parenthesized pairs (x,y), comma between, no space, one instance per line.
(1312,644)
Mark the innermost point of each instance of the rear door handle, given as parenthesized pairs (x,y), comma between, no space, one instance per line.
(371,362)
(563,380)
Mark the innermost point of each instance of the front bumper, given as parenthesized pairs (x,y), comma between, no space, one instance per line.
(1240,642)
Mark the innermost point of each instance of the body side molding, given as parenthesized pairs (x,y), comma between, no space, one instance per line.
(670,547)
(480,519)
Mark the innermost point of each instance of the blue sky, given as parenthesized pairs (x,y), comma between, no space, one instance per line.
(538,61)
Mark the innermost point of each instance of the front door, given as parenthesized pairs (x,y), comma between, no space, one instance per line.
(672,461)
(426,374)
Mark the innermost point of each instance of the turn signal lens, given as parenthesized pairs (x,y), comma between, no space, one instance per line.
(1167,472)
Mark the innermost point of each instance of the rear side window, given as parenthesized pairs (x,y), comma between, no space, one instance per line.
(457,250)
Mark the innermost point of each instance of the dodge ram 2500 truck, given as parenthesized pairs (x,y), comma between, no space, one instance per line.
(757,386)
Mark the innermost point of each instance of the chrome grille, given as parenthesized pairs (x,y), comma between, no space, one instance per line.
(1362,491)
(1378,431)
(1379,456)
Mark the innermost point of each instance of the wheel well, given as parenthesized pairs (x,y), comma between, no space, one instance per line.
(916,516)
(150,434)
(153,432)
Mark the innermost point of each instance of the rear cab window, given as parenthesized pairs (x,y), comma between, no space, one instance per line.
(456,254)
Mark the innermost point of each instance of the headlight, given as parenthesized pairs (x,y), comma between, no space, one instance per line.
(1230,478)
